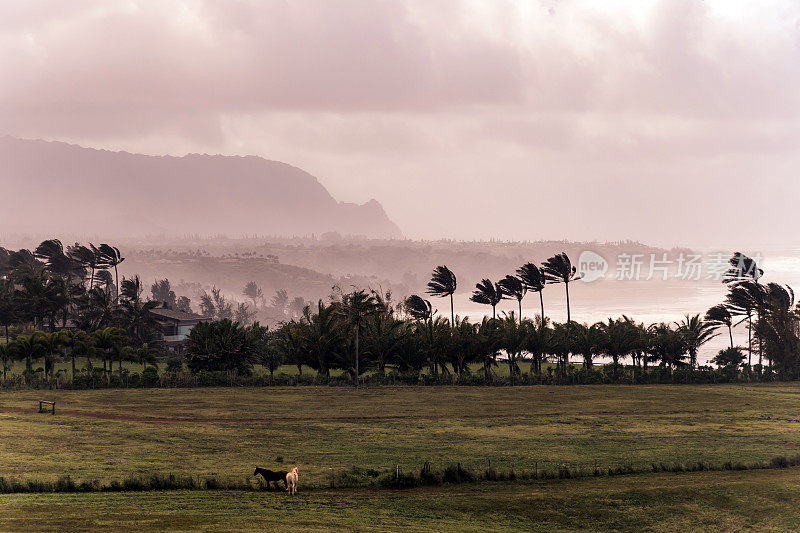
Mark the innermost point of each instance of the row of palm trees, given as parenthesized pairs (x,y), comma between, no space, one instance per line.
(109,344)
(55,287)
(529,278)
(364,332)
(767,310)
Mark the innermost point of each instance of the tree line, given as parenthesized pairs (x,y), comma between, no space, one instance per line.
(365,331)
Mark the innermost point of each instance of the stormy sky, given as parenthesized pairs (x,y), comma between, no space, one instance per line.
(670,121)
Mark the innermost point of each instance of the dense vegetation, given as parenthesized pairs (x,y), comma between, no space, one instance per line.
(365,334)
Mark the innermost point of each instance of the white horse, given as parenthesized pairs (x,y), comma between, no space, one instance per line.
(291,481)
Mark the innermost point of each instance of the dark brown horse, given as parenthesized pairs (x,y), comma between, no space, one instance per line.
(272,476)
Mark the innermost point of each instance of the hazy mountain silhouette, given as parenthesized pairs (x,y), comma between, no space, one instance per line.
(57,187)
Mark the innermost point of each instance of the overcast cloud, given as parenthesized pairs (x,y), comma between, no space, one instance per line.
(674,121)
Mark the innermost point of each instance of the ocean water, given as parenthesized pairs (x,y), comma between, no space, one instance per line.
(647,301)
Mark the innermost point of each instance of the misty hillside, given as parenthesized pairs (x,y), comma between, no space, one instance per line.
(58,187)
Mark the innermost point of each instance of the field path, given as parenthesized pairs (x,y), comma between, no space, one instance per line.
(221,420)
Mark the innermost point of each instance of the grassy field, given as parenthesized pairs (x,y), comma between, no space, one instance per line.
(708,501)
(225,432)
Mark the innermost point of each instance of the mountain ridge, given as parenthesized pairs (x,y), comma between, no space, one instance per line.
(195,193)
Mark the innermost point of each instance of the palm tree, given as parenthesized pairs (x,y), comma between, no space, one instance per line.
(513,287)
(280,300)
(742,268)
(489,344)
(76,342)
(87,257)
(777,329)
(110,342)
(443,283)
(6,354)
(111,257)
(384,337)
(289,344)
(696,332)
(560,344)
(52,344)
(354,308)
(559,269)
(144,355)
(466,344)
(667,345)
(9,305)
(135,314)
(514,342)
(719,316)
(745,299)
(619,338)
(587,341)
(538,343)
(58,262)
(322,337)
(254,292)
(418,308)
(487,293)
(29,347)
(265,348)
(533,279)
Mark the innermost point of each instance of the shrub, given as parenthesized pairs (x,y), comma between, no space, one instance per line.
(150,376)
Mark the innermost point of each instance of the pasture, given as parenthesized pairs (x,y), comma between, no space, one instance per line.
(710,501)
(225,432)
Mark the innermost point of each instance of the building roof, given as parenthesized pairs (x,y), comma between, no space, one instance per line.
(174,314)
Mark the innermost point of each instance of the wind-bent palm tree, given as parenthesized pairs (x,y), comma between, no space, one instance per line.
(354,308)
(487,293)
(777,328)
(280,300)
(111,257)
(719,316)
(533,279)
(559,269)
(88,258)
(52,253)
(513,287)
(418,308)
(443,283)
(742,268)
(745,299)
(696,333)
(254,292)
(135,313)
